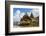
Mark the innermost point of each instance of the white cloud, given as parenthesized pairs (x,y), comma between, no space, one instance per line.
(17,12)
(29,13)
(22,14)
(35,12)
(17,16)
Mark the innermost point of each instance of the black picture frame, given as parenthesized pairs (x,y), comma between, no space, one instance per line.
(7,3)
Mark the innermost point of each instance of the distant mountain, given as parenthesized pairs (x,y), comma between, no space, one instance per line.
(29,21)
(26,17)
(31,16)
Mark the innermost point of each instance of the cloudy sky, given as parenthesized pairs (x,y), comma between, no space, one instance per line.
(18,13)
(22,10)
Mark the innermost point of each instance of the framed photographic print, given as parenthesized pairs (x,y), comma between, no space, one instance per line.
(24,17)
